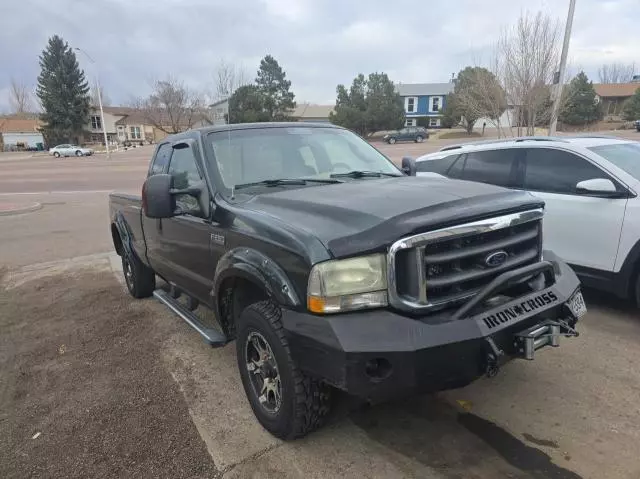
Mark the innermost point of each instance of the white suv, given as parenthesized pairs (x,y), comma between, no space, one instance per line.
(590,186)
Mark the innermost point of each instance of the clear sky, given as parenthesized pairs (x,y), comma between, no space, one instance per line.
(319,43)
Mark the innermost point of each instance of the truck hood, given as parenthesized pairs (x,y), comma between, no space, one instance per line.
(367,215)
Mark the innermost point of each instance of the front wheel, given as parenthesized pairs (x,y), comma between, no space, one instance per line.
(287,402)
(392,141)
(78,153)
(419,139)
(56,154)
(140,279)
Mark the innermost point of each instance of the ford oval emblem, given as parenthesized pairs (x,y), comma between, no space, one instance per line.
(496,258)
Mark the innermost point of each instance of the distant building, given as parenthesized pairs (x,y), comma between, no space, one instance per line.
(220,112)
(312,113)
(20,132)
(613,96)
(424,100)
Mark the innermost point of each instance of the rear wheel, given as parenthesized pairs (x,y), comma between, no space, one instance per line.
(419,139)
(56,154)
(287,402)
(78,153)
(140,279)
(392,140)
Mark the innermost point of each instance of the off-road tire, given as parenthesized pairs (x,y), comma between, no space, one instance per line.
(56,154)
(142,281)
(305,400)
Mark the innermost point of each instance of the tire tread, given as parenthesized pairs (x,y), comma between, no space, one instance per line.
(312,396)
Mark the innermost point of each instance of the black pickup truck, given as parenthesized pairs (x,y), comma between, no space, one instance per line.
(331,267)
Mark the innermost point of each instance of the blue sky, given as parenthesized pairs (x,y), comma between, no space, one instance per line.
(320,43)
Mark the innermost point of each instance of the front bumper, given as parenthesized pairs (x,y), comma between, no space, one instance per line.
(381,354)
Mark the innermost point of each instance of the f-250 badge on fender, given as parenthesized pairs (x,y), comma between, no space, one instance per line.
(517,310)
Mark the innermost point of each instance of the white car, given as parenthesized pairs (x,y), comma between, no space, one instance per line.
(590,186)
(70,150)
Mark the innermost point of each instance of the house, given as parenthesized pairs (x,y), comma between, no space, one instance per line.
(20,132)
(219,112)
(312,113)
(424,100)
(123,124)
(613,96)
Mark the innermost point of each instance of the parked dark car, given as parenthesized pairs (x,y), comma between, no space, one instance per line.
(410,133)
(332,268)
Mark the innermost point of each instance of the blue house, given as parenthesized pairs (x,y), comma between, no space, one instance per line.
(424,100)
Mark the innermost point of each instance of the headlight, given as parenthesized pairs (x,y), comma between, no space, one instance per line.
(348,284)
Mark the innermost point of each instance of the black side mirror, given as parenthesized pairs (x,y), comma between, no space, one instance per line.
(157,200)
(409,166)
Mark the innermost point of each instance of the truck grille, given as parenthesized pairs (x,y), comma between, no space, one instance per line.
(443,267)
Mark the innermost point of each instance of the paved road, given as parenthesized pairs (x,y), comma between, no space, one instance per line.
(571,413)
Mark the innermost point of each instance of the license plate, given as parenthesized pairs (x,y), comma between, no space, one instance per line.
(576,305)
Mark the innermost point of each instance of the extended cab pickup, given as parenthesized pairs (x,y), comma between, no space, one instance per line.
(331,267)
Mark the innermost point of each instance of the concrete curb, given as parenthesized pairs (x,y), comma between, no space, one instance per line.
(19,209)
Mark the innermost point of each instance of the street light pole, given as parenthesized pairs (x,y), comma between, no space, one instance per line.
(563,66)
(104,126)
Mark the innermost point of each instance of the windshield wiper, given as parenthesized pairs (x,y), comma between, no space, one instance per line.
(362,174)
(287,182)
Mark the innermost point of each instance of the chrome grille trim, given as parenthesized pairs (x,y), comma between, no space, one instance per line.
(420,241)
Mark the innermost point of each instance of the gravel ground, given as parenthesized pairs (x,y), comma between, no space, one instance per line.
(67,405)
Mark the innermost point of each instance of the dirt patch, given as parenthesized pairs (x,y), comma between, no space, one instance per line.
(452,135)
(83,390)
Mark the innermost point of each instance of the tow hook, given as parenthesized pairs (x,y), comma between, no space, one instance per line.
(493,359)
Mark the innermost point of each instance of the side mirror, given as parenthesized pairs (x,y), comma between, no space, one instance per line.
(599,187)
(409,166)
(157,200)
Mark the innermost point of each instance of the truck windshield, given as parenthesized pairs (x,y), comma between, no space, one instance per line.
(625,156)
(254,155)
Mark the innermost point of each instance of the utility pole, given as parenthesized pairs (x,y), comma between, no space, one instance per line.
(563,67)
(104,127)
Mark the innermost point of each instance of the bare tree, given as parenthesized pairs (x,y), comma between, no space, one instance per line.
(172,107)
(527,56)
(228,78)
(19,97)
(616,72)
(106,101)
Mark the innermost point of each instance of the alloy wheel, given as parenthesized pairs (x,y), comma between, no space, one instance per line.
(263,372)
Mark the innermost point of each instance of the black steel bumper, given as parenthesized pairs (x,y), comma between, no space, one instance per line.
(381,354)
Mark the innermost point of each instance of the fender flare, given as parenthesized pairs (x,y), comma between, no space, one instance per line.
(123,230)
(259,269)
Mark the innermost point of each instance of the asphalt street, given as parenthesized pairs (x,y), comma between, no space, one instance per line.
(573,412)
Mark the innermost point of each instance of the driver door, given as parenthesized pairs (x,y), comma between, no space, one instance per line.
(183,240)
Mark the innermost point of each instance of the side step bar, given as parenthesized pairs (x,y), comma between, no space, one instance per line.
(212,336)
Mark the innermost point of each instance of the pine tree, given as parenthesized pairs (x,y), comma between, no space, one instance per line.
(581,107)
(273,85)
(371,104)
(63,92)
(632,107)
